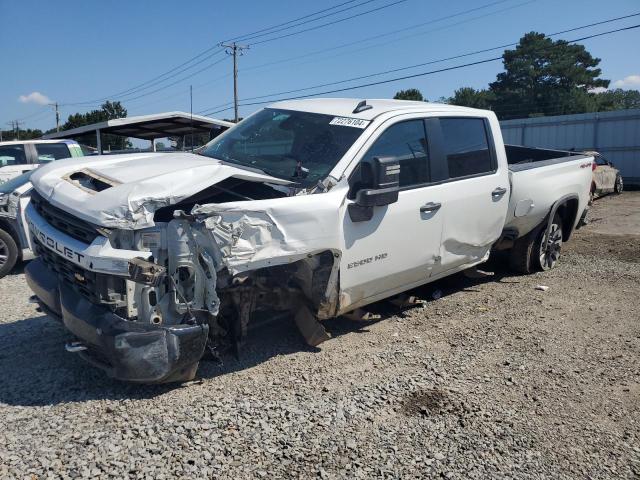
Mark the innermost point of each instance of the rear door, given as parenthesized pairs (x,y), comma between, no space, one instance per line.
(399,246)
(475,195)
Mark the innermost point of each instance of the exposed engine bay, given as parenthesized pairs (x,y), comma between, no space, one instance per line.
(217,266)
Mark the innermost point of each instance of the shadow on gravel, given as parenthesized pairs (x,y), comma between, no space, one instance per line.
(36,370)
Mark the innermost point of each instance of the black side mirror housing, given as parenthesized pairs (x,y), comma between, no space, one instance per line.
(382,177)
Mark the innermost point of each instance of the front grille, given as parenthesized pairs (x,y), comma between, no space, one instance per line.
(63,221)
(96,287)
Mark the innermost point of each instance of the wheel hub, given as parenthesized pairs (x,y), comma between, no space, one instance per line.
(550,247)
(4,253)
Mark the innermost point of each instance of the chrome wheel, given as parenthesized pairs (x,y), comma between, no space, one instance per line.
(619,185)
(4,253)
(550,247)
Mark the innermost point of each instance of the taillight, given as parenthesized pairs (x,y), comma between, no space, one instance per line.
(593,167)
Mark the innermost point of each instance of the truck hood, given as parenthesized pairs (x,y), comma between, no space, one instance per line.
(124,191)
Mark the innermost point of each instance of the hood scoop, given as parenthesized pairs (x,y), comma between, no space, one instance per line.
(90,182)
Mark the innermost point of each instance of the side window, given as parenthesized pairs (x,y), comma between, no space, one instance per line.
(466,146)
(408,142)
(47,152)
(12,155)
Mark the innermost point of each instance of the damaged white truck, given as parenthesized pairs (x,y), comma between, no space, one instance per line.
(313,207)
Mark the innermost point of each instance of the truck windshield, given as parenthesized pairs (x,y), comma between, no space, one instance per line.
(297,146)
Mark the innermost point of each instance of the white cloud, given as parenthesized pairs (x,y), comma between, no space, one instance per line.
(598,90)
(631,81)
(35,97)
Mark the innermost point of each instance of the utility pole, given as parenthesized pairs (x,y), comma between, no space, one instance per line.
(15,126)
(55,106)
(235,50)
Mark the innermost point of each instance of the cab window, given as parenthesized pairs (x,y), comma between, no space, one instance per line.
(48,152)
(406,141)
(466,146)
(12,155)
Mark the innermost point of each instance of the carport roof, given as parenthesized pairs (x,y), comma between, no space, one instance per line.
(149,127)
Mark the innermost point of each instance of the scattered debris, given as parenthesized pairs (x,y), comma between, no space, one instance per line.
(542,288)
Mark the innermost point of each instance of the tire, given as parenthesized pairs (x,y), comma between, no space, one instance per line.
(619,185)
(546,250)
(8,253)
(528,255)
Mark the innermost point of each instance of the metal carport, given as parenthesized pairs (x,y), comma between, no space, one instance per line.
(147,127)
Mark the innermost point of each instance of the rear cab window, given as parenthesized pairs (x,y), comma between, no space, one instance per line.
(467,147)
(48,152)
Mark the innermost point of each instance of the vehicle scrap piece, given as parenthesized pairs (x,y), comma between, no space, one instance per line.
(312,330)
(147,273)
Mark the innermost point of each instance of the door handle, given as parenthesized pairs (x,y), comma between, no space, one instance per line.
(430,207)
(498,192)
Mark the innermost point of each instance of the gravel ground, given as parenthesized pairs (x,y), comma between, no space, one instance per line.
(494,379)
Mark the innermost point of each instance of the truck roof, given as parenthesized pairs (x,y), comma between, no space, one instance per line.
(22,142)
(344,107)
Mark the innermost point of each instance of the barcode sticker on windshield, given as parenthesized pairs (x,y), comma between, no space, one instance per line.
(349,122)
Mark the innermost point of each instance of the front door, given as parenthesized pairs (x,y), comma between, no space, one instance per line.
(399,246)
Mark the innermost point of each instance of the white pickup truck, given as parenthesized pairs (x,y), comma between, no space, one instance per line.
(313,207)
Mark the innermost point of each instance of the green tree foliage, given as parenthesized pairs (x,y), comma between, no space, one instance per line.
(21,134)
(470,97)
(617,99)
(108,111)
(410,94)
(546,77)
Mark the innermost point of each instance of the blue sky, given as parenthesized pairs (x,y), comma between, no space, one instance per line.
(81,51)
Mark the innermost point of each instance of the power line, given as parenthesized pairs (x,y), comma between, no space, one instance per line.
(406,77)
(247,38)
(383,35)
(316,27)
(157,79)
(379,35)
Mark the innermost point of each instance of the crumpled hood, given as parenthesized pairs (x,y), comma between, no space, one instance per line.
(143,183)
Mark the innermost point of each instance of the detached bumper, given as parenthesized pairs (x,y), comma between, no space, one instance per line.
(126,350)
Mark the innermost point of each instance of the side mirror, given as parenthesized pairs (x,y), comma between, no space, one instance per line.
(381,184)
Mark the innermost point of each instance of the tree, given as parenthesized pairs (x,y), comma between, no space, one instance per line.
(617,99)
(410,94)
(546,77)
(21,134)
(470,97)
(108,111)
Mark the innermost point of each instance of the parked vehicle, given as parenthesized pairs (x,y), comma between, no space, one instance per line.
(18,157)
(14,238)
(606,177)
(313,207)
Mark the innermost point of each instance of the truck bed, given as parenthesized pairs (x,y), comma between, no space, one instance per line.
(524,158)
(539,177)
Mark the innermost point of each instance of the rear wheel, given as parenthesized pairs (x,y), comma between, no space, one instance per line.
(8,253)
(618,186)
(535,251)
(548,246)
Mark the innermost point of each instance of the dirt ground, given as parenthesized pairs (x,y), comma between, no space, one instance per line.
(492,379)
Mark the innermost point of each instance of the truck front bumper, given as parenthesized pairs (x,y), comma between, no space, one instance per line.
(126,350)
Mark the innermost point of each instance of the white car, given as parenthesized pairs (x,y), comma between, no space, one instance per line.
(20,156)
(315,207)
